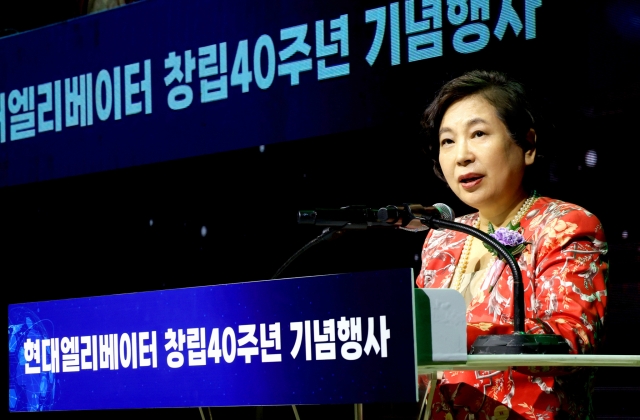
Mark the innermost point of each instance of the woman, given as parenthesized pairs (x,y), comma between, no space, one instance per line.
(483,137)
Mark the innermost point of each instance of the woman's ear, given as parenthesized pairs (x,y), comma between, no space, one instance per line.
(530,155)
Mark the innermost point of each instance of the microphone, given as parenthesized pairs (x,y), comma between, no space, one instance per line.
(348,217)
(407,216)
(397,215)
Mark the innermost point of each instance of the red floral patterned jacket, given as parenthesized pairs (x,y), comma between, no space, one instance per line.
(564,273)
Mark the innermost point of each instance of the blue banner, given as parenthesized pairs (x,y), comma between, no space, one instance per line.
(159,80)
(345,338)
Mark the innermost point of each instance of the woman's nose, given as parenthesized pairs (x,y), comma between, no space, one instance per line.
(464,155)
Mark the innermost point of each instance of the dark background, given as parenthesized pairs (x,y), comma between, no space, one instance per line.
(141,228)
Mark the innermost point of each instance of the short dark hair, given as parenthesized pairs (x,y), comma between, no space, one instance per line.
(506,95)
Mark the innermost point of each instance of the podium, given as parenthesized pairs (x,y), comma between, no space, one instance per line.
(338,339)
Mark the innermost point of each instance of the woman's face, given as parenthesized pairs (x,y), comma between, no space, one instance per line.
(481,163)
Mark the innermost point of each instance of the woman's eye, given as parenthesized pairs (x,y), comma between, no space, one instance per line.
(478,133)
(444,142)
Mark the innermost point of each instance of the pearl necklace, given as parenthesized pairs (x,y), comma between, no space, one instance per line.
(466,250)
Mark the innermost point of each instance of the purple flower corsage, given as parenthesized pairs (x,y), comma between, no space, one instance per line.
(510,237)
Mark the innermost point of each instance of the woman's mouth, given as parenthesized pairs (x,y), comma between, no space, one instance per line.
(470,180)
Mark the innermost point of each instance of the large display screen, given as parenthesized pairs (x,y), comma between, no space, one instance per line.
(155,82)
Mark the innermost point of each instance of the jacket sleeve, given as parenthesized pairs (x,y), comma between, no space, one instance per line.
(568,295)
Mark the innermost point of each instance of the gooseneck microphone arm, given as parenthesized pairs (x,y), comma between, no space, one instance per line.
(518,288)
(519,342)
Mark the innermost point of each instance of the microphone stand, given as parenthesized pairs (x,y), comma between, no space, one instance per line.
(327,234)
(519,342)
